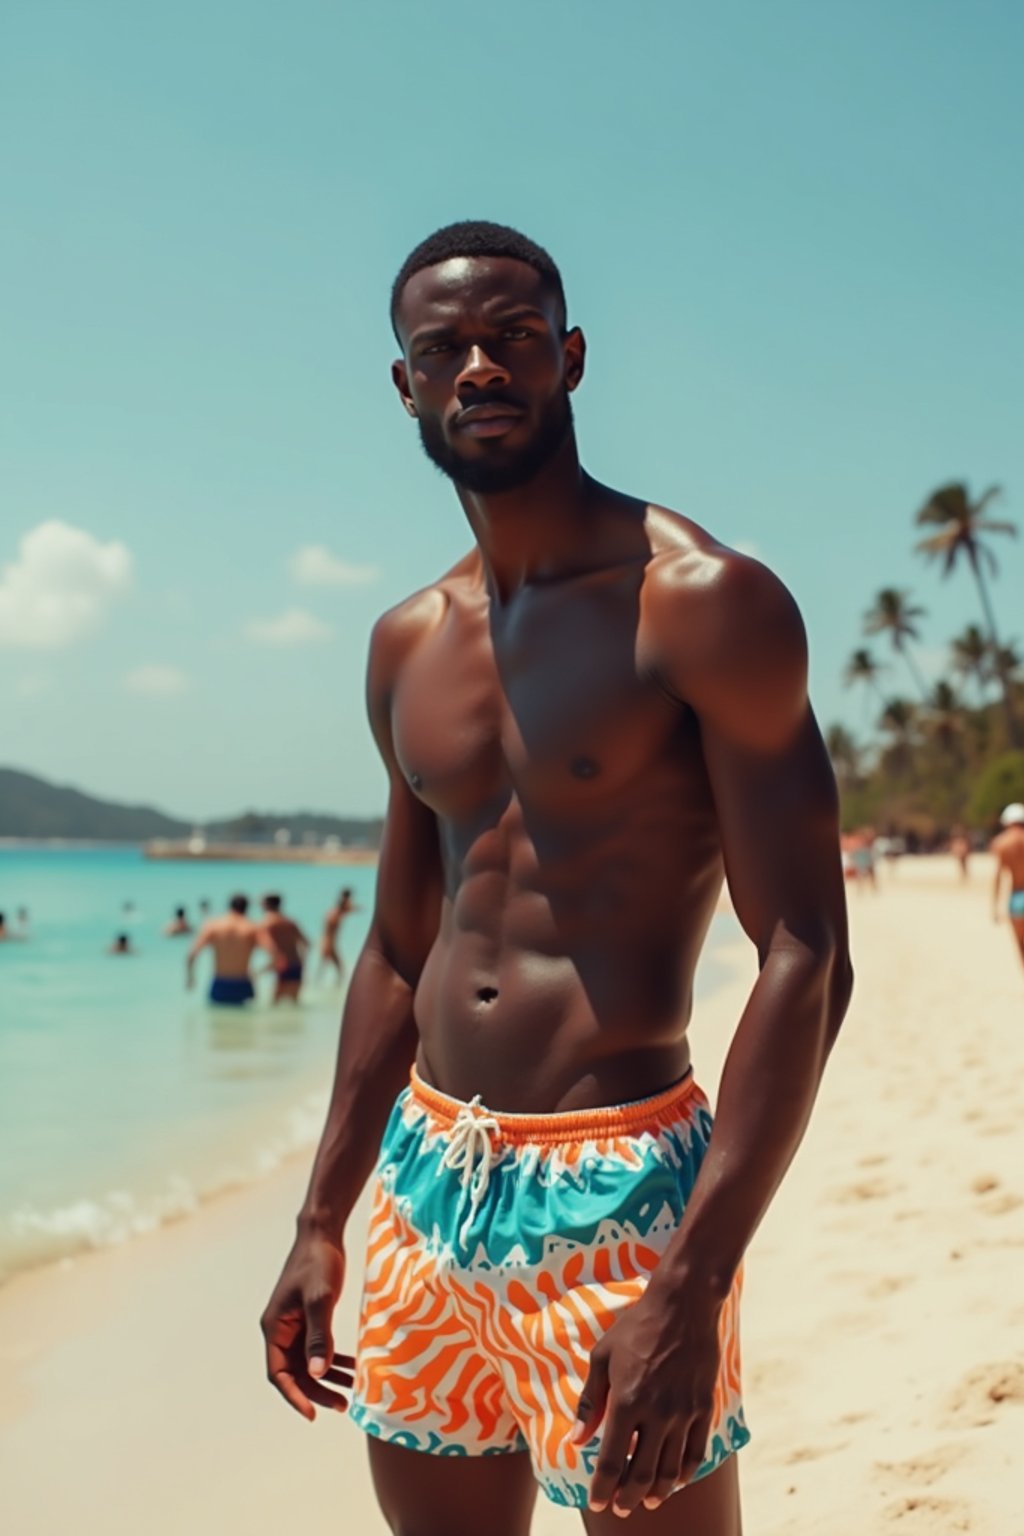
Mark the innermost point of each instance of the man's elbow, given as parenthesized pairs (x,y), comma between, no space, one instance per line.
(838,993)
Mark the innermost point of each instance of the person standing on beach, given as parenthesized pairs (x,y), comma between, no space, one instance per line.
(960,848)
(1008,848)
(587,720)
(330,938)
(288,948)
(232,937)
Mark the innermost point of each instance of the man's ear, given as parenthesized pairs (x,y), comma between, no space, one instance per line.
(575,357)
(400,379)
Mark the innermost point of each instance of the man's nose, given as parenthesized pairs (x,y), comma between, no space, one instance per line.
(480,371)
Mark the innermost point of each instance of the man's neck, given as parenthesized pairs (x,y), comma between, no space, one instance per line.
(537,531)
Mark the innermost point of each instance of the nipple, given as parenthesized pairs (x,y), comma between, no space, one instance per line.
(584,768)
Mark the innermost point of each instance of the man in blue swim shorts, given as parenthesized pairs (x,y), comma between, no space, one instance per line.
(593,718)
(232,937)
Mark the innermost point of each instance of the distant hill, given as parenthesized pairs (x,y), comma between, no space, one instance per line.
(31,807)
(34,808)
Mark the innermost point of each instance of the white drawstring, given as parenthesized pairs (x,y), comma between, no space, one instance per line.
(471,1150)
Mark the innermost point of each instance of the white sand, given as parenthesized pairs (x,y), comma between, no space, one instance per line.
(883,1329)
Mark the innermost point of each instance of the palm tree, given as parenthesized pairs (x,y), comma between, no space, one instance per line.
(960,524)
(862,668)
(1008,663)
(970,658)
(945,718)
(845,753)
(894,614)
(898,719)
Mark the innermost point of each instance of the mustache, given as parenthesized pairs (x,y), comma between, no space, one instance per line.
(491,397)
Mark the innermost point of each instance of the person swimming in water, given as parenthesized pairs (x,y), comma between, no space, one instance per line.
(179,924)
(7,936)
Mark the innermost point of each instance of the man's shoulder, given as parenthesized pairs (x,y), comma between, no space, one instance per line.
(724,595)
(722,631)
(401,627)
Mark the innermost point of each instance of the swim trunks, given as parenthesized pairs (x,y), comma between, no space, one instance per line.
(291,972)
(501,1248)
(1016,908)
(231,989)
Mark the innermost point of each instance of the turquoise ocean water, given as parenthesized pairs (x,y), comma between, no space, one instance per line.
(125,1101)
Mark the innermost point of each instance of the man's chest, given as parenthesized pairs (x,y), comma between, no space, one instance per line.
(555,706)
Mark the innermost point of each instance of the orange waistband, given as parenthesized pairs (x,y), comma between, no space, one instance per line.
(567,1125)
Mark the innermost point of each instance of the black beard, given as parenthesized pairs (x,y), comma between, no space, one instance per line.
(491,477)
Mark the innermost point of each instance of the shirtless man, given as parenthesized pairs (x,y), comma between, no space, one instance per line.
(7,935)
(232,937)
(179,925)
(330,952)
(1008,848)
(584,723)
(288,947)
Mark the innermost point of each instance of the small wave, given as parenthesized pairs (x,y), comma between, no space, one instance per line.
(30,1237)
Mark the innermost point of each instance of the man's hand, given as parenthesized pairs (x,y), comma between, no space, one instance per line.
(297,1328)
(652,1379)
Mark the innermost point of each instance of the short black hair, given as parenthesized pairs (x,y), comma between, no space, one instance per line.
(272,903)
(179,911)
(477,237)
(239,904)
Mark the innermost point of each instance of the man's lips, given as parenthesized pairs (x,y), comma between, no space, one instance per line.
(488,420)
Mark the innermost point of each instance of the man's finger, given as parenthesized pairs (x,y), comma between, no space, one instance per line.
(669,1464)
(302,1392)
(696,1447)
(639,1475)
(592,1401)
(319,1343)
(338,1377)
(611,1460)
(285,1383)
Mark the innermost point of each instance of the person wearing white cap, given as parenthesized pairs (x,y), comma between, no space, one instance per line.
(1008,848)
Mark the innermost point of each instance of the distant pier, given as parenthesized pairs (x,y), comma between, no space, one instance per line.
(197,849)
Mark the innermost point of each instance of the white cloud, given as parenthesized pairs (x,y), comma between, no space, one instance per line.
(293,627)
(156,681)
(59,587)
(314,566)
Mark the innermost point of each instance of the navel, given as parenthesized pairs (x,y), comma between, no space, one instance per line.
(487,994)
(584,768)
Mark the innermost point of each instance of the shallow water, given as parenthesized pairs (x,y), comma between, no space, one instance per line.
(124,1099)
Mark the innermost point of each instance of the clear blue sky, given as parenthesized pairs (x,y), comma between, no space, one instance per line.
(793,234)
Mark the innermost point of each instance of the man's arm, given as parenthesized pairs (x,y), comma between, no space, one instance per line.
(734,649)
(200,942)
(377,1047)
(1001,870)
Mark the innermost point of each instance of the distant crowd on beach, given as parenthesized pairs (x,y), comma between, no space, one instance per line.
(863,849)
(233,939)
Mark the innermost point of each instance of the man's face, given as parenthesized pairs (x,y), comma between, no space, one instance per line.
(487,369)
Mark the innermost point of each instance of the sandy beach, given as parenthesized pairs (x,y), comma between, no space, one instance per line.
(883,1325)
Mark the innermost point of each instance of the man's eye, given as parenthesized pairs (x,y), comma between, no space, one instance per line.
(435,346)
(517,333)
